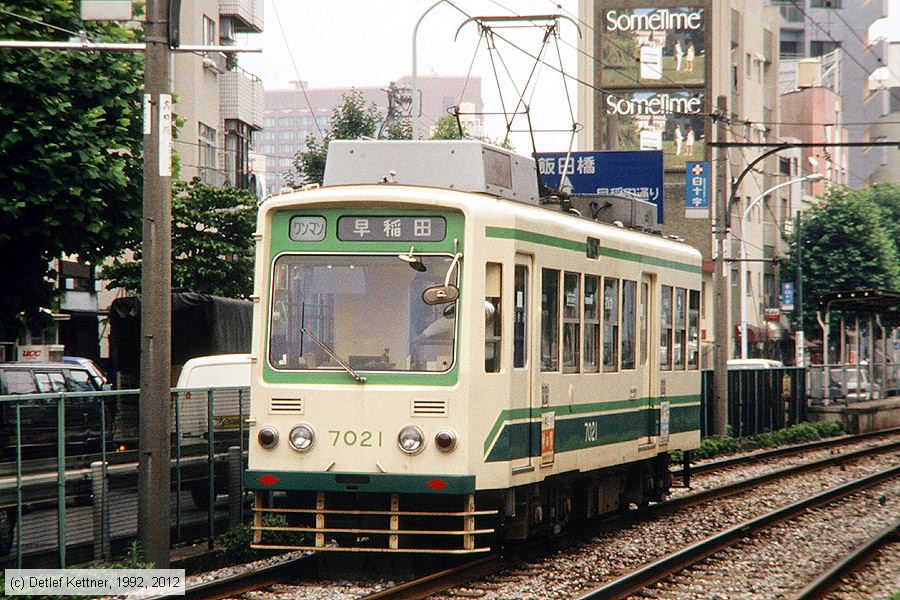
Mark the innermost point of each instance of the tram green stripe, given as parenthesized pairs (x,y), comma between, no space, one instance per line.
(518,414)
(536,238)
(318,481)
(522,440)
(566,244)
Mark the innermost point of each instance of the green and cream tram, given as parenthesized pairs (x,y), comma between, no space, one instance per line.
(439,360)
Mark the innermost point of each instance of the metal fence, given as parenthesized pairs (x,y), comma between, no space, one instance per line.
(69,472)
(759,400)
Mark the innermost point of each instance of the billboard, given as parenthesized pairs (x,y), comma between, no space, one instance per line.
(653,46)
(630,174)
(669,120)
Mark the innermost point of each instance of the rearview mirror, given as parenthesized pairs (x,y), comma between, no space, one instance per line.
(440,294)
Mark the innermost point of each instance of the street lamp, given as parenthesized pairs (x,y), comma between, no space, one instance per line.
(743,292)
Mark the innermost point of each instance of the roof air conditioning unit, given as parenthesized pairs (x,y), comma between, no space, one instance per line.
(809,73)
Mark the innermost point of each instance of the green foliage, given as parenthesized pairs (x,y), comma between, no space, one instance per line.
(719,445)
(212,247)
(70,146)
(351,120)
(447,128)
(848,242)
(133,559)
(235,542)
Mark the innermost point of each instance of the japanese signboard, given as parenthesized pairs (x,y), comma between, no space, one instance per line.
(391,229)
(631,174)
(696,190)
(548,438)
(787,296)
(652,46)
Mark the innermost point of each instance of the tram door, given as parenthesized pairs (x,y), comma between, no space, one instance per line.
(523,363)
(647,360)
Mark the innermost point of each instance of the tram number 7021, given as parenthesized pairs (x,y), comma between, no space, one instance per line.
(364,439)
(590,431)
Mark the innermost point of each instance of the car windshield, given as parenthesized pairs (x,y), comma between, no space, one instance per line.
(363,310)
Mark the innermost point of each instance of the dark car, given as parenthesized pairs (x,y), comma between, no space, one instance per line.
(38,418)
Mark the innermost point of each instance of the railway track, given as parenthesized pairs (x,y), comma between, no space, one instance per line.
(487,566)
(663,568)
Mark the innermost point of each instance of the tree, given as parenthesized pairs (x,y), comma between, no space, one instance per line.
(446,128)
(212,244)
(845,245)
(351,120)
(70,139)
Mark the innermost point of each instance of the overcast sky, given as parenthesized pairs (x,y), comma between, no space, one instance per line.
(338,43)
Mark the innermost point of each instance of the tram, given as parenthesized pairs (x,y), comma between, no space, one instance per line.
(441,362)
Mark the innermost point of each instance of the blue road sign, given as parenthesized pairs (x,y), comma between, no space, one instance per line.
(630,173)
(787,296)
(696,186)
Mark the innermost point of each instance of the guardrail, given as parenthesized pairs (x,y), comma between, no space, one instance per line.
(69,466)
(759,400)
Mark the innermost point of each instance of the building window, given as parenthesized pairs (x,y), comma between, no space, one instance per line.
(820,48)
(207,152)
(571,322)
(209,32)
(237,153)
(825,3)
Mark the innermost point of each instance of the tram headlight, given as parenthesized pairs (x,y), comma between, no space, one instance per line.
(267,437)
(411,439)
(302,438)
(445,440)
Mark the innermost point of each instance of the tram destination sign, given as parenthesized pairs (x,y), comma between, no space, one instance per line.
(391,229)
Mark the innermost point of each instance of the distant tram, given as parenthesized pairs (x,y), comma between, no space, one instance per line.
(441,363)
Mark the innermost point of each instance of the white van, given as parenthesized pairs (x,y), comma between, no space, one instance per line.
(737,364)
(227,377)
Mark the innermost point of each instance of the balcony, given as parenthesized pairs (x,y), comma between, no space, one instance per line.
(242,97)
(247,15)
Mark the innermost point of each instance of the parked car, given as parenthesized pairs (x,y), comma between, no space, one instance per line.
(857,384)
(39,417)
(96,374)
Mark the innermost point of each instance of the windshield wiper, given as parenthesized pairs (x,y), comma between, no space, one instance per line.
(359,378)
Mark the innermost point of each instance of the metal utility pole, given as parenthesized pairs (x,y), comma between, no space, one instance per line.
(154,479)
(799,337)
(722,303)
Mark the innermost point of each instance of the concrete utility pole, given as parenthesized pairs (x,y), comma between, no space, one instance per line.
(154,478)
(722,303)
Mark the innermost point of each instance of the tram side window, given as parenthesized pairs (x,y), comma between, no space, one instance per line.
(571,322)
(665,329)
(520,317)
(693,343)
(591,323)
(678,343)
(493,324)
(549,320)
(629,289)
(610,324)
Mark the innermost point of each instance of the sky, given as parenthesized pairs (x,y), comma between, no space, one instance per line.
(370,42)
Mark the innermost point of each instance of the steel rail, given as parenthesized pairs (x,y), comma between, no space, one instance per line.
(440,581)
(238,583)
(820,587)
(672,563)
(745,484)
(731,461)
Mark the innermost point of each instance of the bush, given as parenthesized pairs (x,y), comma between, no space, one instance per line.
(236,541)
(718,445)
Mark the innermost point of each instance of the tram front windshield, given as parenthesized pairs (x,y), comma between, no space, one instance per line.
(366,310)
